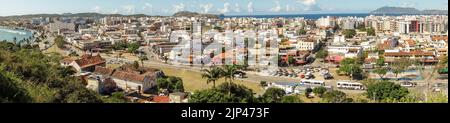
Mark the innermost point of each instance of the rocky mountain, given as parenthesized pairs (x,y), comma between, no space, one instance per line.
(406,10)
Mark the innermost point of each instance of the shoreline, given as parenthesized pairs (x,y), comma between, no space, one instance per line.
(14,29)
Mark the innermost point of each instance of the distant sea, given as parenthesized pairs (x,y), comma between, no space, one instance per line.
(9,34)
(311,16)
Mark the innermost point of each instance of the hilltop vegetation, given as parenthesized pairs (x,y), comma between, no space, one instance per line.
(29,76)
(405,10)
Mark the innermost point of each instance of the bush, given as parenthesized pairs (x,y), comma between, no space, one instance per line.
(386,90)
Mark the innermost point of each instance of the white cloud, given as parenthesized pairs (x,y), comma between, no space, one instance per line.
(225,9)
(277,7)
(310,5)
(289,8)
(96,9)
(236,8)
(178,7)
(206,7)
(405,4)
(148,7)
(250,8)
(128,9)
(115,11)
(308,2)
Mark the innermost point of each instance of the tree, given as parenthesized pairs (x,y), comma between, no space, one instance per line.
(73,54)
(319,91)
(212,75)
(380,72)
(370,32)
(116,97)
(291,60)
(291,99)
(336,96)
(349,67)
(221,94)
(349,33)
(301,32)
(273,95)
(322,54)
(59,41)
(136,65)
(171,83)
(10,90)
(209,96)
(380,62)
(108,87)
(263,84)
(386,90)
(308,91)
(228,73)
(133,47)
(83,96)
(142,58)
(400,66)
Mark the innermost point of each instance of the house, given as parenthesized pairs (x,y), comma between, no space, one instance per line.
(346,51)
(142,79)
(308,45)
(421,56)
(178,97)
(87,63)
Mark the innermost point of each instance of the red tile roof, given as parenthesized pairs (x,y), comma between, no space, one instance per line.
(161,99)
(89,60)
(438,38)
(412,53)
(103,70)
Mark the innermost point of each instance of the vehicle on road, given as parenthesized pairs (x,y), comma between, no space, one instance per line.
(350,85)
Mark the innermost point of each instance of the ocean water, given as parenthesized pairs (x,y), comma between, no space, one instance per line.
(310,16)
(9,34)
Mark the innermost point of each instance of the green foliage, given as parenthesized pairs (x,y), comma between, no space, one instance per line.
(349,67)
(336,97)
(370,32)
(386,90)
(10,90)
(133,47)
(349,33)
(209,96)
(171,83)
(38,77)
(59,42)
(380,62)
(291,99)
(239,94)
(301,32)
(308,91)
(116,97)
(120,45)
(263,84)
(273,95)
(136,65)
(212,75)
(319,91)
(380,72)
(322,54)
(83,96)
(291,60)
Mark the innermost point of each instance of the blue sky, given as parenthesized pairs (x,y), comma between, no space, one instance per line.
(227,7)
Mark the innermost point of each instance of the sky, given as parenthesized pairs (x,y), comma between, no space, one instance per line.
(227,7)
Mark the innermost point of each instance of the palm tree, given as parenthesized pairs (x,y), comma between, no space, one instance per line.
(142,58)
(212,75)
(228,73)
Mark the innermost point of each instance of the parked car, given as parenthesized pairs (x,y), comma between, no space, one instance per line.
(408,84)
